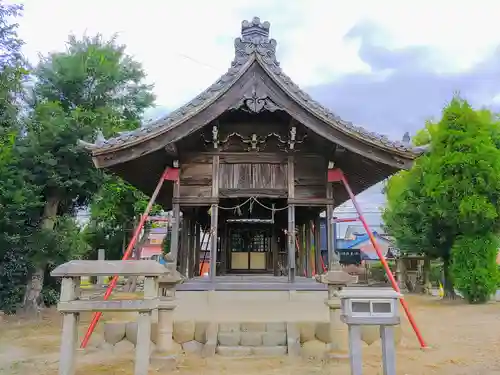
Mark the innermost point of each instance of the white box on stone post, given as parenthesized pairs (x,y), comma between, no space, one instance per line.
(371,306)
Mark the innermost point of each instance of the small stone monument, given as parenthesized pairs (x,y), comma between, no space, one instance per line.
(335,279)
(371,306)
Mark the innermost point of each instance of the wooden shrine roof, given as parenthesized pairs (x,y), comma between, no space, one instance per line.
(253,47)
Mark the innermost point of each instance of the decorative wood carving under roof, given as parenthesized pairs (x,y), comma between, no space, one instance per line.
(254,45)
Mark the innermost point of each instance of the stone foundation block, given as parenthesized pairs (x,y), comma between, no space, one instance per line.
(200,329)
(229,338)
(114,332)
(123,347)
(253,327)
(251,338)
(183,331)
(131,332)
(234,351)
(323,332)
(293,340)
(211,340)
(313,349)
(307,331)
(275,338)
(276,327)
(193,347)
(269,351)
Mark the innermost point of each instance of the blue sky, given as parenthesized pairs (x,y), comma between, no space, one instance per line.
(386,65)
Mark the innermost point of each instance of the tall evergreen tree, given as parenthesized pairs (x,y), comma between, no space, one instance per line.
(447,205)
(92,86)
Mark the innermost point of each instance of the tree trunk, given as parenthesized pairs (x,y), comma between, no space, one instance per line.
(449,289)
(426,275)
(33,301)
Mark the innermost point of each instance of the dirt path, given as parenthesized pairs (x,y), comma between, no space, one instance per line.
(465,340)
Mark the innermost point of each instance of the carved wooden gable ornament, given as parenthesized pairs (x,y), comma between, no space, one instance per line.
(253,47)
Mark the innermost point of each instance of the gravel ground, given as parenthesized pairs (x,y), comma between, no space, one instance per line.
(465,340)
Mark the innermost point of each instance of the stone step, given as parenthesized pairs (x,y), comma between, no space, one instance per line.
(246,351)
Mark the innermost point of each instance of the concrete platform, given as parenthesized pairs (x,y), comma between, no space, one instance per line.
(249,298)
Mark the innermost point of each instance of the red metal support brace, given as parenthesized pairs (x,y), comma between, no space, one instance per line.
(350,220)
(169,174)
(336,175)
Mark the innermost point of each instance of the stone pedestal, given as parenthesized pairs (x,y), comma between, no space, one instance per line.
(336,279)
(166,308)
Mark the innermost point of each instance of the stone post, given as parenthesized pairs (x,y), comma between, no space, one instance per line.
(69,337)
(336,279)
(166,308)
(399,273)
(142,348)
(101,255)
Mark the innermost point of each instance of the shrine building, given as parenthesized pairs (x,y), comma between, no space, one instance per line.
(254,152)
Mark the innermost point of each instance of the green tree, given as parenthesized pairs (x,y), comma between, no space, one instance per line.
(91,86)
(447,204)
(19,200)
(114,213)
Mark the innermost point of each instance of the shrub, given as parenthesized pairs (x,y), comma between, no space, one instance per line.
(474,267)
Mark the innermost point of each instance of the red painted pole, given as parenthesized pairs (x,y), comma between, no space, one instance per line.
(383,261)
(126,255)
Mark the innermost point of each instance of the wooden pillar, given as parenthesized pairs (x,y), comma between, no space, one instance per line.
(301,251)
(275,252)
(330,228)
(214,217)
(197,251)
(176,218)
(308,240)
(224,248)
(184,248)
(291,220)
(317,246)
(192,248)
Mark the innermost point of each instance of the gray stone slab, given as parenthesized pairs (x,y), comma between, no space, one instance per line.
(117,305)
(229,338)
(274,339)
(269,351)
(251,339)
(234,351)
(109,267)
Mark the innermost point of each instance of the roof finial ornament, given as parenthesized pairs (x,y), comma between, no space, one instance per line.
(255,31)
(255,40)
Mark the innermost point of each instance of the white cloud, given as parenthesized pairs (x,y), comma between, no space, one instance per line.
(186,45)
